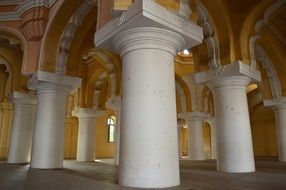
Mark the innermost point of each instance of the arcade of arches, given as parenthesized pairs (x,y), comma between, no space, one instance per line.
(145,82)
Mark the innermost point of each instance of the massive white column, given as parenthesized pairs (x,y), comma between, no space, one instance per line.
(48,140)
(86,133)
(234,141)
(196,137)
(148,42)
(211,122)
(115,104)
(22,128)
(278,105)
(147,37)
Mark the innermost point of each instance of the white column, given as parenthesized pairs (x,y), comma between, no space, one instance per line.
(86,133)
(48,141)
(115,104)
(211,122)
(234,141)
(196,137)
(22,128)
(117,137)
(179,140)
(233,132)
(147,45)
(278,105)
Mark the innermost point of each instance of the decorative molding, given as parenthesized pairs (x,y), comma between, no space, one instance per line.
(269,11)
(274,80)
(69,32)
(9,2)
(9,16)
(182,95)
(209,36)
(28,4)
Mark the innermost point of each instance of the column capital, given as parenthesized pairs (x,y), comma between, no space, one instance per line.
(154,18)
(193,116)
(276,103)
(210,119)
(45,81)
(87,113)
(113,103)
(22,99)
(231,75)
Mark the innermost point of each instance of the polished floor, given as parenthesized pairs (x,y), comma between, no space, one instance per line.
(195,175)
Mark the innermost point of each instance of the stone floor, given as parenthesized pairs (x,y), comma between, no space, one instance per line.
(270,175)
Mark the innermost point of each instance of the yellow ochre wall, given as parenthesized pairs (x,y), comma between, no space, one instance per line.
(6,116)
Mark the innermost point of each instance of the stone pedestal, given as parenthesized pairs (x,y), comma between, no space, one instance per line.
(278,106)
(22,128)
(148,37)
(234,141)
(48,141)
(86,133)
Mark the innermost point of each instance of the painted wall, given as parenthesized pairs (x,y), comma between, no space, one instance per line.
(264,139)
(6,116)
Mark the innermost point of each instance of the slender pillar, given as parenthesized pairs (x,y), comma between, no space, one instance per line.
(233,132)
(147,44)
(22,128)
(117,137)
(211,122)
(86,133)
(278,106)
(179,140)
(196,138)
(48,141)
(234,141)
(115,104)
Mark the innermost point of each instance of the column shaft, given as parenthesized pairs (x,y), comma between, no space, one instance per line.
(48,141)
(196,140)
(234,141)
(22,128)
(149,142)
(86,139)
(117,138)
(280,117)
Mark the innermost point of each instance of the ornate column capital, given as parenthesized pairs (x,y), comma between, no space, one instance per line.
(45,82)
(234,75)
(276,103)
(88,113)
(113,103)
(148,22)
(193,116)
(22,99)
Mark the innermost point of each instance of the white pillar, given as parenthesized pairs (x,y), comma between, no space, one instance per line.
(115,104)
(196,137)
(179,140)
(22,128)
(233,132)
(278,105)
(48,141)
(147,45)
(234,141)
(86,133)
(211,122)
(117,137)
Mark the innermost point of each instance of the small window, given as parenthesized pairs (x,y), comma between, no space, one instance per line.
(111,128)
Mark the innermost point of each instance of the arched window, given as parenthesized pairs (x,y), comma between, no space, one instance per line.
(111,128)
